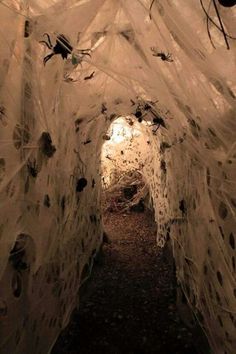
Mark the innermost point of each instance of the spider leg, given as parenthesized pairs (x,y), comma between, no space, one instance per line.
(84,50)
(49,39)
(158,126)
(143,117)
(44,42)
(87,54)
(150,9)
(168,57)
(47,58)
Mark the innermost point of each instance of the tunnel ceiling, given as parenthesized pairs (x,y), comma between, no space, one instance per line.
(68,70)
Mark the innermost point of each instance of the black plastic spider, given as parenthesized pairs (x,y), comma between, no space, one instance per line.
(62,47)
(158,121)
(164,57)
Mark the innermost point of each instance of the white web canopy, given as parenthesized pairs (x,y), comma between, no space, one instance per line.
(122,60)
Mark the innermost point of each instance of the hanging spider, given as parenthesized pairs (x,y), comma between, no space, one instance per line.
(162,55)
(62,47)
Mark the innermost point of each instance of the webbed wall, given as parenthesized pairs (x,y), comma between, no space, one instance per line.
(53,118)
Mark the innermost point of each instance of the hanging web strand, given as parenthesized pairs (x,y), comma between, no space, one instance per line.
(220,28)
(221,24)
(208,28)
(150,9)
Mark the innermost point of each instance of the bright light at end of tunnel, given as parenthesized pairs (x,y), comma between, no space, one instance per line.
(121,131)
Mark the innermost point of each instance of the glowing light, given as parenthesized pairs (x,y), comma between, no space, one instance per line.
(121,131)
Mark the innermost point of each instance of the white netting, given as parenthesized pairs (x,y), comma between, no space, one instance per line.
(126,149)
(53,118)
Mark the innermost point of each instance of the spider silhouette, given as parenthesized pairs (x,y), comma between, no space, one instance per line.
(165,57)
(62,47)
(162,55)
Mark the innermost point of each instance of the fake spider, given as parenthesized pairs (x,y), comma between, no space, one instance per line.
(157,121)
(162,55)
(165,57)
(62,47)
(45,145)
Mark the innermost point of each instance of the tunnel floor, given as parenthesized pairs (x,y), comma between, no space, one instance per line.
(128,305)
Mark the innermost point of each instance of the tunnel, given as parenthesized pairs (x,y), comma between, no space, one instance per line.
(71,72)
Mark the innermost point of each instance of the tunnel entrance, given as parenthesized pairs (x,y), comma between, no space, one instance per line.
(129,303)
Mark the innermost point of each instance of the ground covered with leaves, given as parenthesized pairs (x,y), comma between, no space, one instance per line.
(128,305)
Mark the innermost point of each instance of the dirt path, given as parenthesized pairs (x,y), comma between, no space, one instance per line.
(129,307)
